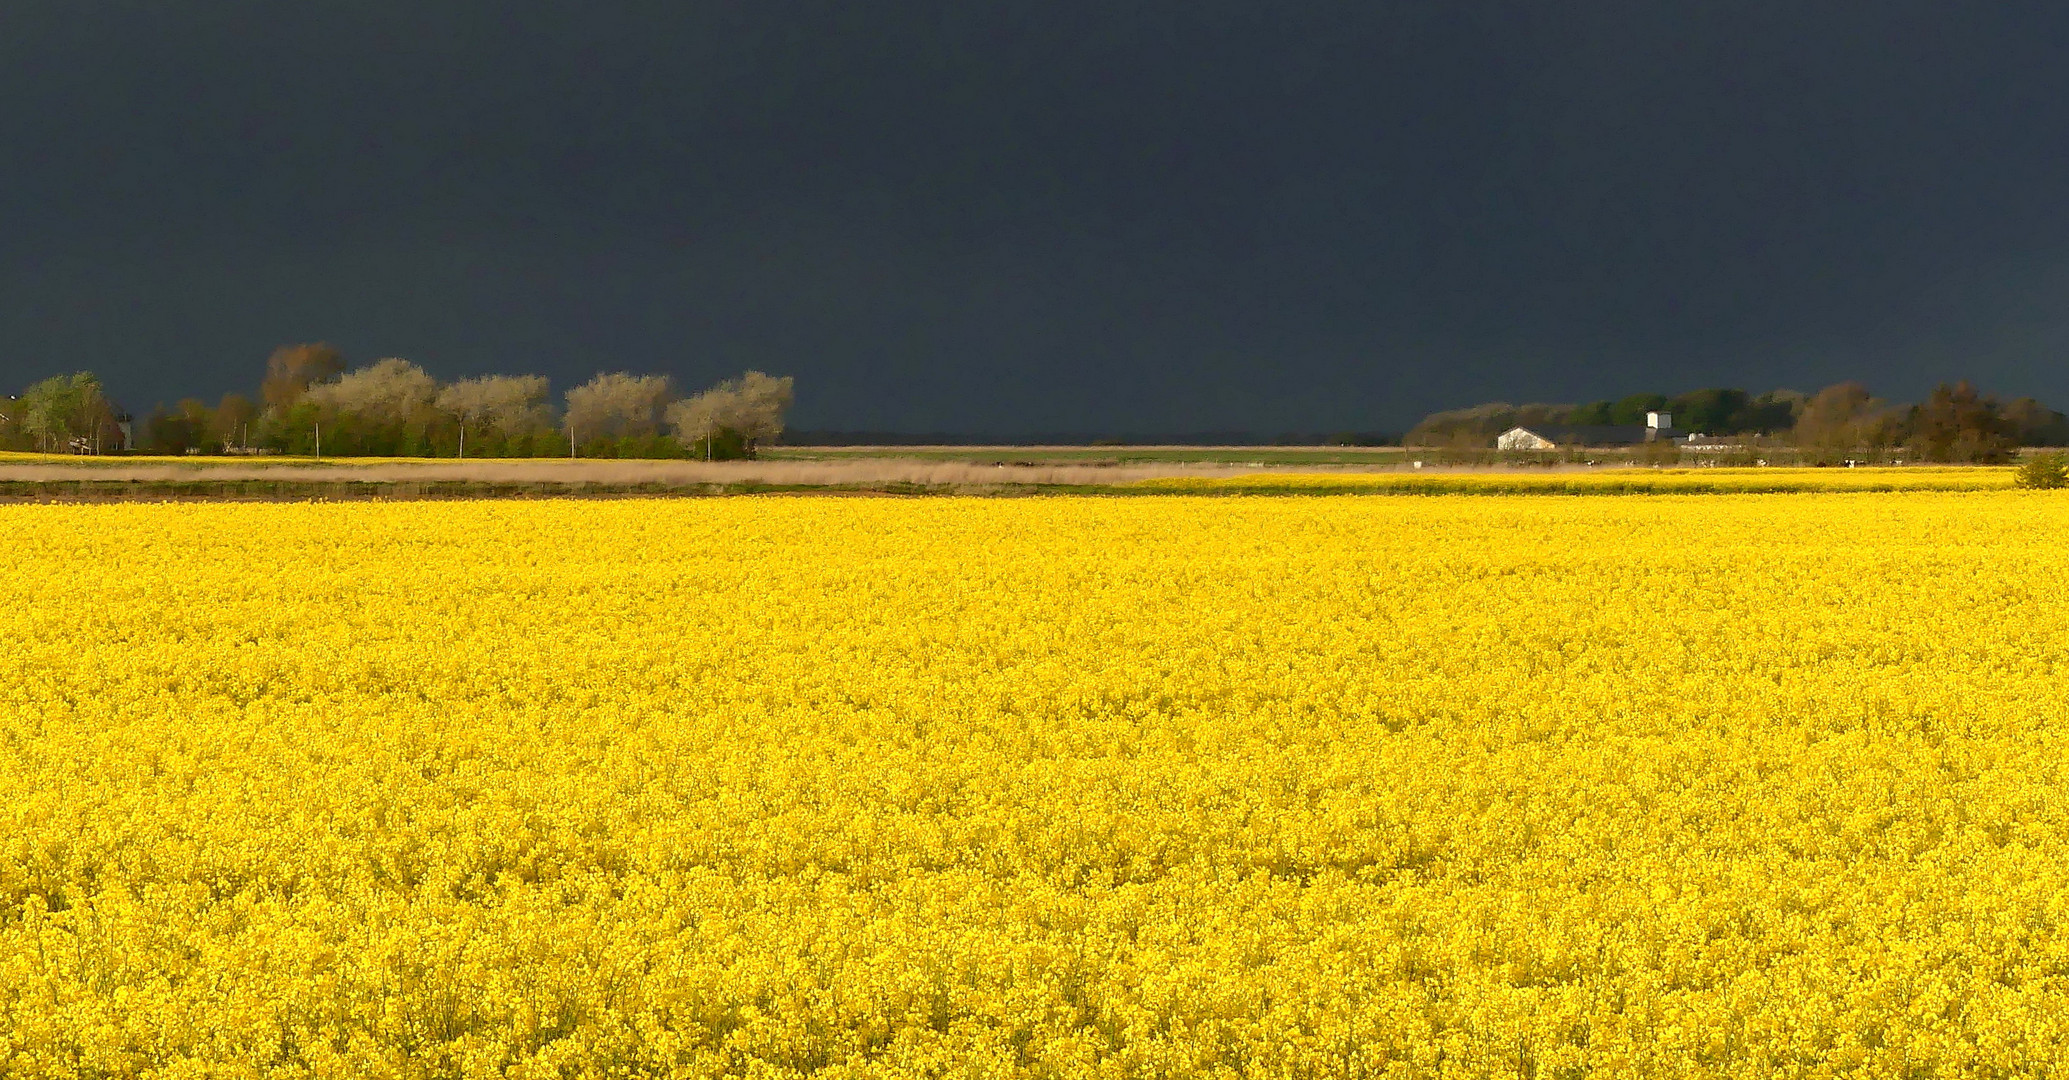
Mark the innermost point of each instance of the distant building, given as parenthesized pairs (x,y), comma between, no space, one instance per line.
(1658,426)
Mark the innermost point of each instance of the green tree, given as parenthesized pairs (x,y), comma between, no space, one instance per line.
(493,413)
(1630,411)
(1770,413)
(189,426)
(609,409)
(1593,414)
(734,416)
(67,412)
(1478,426)
(295,430)
(386,408)
(1714,411)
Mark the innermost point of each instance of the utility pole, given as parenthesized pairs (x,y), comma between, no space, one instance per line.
(319,441)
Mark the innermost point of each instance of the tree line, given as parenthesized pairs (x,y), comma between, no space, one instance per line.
(308,403)
(63,414)
(1955,423)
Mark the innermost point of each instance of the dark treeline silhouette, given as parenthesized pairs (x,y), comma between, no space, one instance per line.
(309,403)
(1955,423)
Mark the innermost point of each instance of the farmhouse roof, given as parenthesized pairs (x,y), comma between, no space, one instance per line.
(1588,434)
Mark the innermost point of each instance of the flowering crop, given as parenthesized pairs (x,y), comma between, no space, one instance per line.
(1606,481)
(1669,786)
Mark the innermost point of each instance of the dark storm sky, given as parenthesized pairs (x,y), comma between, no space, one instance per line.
(1060,216)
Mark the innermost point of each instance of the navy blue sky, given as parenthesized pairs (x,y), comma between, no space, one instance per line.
(1000,218)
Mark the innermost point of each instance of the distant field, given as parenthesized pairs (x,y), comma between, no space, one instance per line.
(1120,455)
(88,479)
(1020,472)
(975,455)
(1629,480)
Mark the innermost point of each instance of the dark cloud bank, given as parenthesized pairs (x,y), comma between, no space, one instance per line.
(1025,217)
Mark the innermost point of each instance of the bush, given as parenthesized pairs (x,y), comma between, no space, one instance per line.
(2043,471)
(634,446)
(723,445)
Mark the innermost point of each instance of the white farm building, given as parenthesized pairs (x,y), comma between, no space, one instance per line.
(1658,426)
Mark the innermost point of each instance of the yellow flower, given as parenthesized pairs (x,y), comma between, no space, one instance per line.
(1705,785)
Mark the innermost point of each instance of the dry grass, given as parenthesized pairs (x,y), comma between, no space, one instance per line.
(861,472)
(24,476)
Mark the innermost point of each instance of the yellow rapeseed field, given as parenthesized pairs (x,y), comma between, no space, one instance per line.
(1624,480)
(1718,785)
